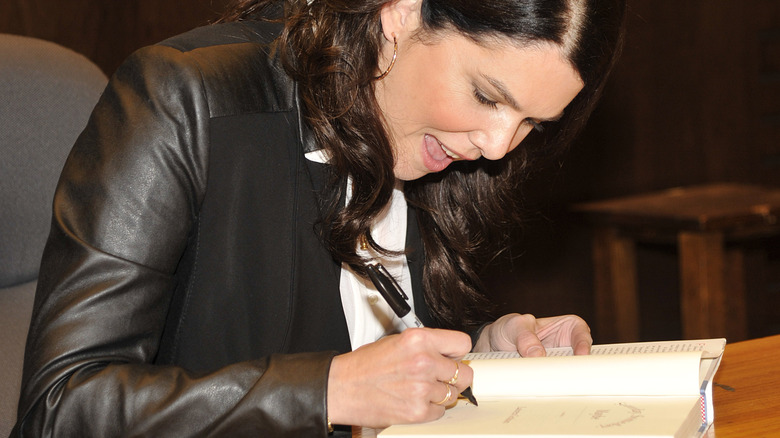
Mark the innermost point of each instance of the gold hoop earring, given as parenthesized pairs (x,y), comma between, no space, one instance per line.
(392,61)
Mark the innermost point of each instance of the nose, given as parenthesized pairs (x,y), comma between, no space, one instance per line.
(496,141)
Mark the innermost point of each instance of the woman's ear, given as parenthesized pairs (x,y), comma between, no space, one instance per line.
(399,17)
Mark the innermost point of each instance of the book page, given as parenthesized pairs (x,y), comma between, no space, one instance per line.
(710,348)
(651,374)
(561,417)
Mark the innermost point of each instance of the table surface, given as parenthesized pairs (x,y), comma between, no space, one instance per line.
(746,397)
(707,207)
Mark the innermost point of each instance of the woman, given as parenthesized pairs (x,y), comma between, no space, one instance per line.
(204,275)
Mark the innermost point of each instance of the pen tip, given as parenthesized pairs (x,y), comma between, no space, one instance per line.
(469,396)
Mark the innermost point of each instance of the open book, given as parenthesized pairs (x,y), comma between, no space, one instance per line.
(645,389)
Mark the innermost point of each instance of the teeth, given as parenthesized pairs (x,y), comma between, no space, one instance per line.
(451,154)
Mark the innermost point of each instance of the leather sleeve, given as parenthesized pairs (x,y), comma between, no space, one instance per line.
(124,210)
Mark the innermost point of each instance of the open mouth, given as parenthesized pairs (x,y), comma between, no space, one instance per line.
(449,153)
(436,156)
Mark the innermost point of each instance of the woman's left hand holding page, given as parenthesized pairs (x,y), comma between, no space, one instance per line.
(530,336)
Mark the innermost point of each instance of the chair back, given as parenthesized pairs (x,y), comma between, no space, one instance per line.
(46,95)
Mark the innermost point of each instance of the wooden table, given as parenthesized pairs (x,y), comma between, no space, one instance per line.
(711,225)
(747,403)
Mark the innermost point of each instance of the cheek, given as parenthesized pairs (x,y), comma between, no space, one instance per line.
(446,117)
(451,111)
(439,105)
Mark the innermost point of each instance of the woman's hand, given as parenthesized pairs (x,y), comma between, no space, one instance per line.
(399,379)
(530,336)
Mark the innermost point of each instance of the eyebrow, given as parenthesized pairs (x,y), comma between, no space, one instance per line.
(507,96)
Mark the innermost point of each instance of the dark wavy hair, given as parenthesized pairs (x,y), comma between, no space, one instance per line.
(466,212)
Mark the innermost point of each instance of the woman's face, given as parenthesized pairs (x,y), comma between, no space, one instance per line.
(453,99)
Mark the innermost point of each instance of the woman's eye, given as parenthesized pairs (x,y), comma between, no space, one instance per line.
(537,126)
(481,98)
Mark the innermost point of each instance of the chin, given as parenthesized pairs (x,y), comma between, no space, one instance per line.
(408,174)
(407,177)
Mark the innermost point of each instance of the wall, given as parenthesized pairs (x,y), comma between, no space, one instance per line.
(106,31)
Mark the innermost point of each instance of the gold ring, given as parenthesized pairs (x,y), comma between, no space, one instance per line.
(446,397)
(454,378)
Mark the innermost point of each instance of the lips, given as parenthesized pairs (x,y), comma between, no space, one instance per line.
(436,157)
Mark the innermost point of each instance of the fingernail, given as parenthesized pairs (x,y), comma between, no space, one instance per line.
(534,351)
(583,345)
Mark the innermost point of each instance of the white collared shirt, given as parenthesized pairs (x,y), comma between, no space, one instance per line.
(368,316)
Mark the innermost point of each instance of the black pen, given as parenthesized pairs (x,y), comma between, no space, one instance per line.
(397,300)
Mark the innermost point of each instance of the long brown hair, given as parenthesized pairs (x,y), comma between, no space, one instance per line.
(466,213)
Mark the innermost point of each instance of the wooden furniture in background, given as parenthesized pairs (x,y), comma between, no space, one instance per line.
(745,392)
(710,225)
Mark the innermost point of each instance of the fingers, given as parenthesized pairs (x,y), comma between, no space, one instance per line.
(455,384)
(460,379)
(454,379)
(405,378)
(527,341)
(447,397)
(439,350)
(565,330)
(446,375)
(581,339)
(530,336)
(451,376)
(516,332)
(447,343)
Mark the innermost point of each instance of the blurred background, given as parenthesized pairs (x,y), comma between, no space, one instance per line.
(695,99)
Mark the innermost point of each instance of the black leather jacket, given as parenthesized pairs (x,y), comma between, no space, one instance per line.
(183,289)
